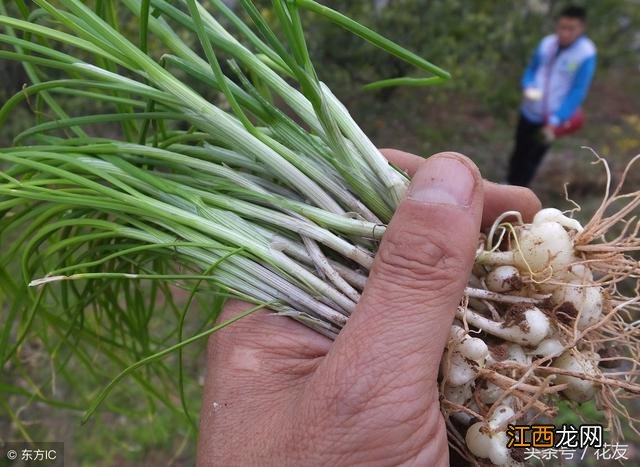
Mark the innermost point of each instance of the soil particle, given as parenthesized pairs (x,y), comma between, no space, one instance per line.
(472,363)
(482,383)
(609,352)
(518,454)
(514,282)
(499,352)
(566,313)
(546,305)
(515,316)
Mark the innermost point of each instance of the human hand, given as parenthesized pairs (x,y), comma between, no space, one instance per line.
(549,134)
(277,393)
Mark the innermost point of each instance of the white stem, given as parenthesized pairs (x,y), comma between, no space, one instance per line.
(496,297)
(536,326)
(392,180)
(321,262)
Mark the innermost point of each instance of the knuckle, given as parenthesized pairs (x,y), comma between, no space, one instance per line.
(357,388)
(349,396)
(412,260)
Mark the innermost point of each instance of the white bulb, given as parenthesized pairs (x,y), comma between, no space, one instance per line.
(459,394)
(579,390)
(542,246)
(529,326)
(489,392)
(503,279)
(500,415)
(539,325)
(492,445)
(460,370)
(555,215)
(581,273)
(472,348)
(478,442)
(516,354)
(499,453)
(548,347)
(587,300)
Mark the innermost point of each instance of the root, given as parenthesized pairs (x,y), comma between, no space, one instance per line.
(614,215)
(608,342)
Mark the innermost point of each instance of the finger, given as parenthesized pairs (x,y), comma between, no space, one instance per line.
(404,160)
(498,198)
(400,326)
(502,198)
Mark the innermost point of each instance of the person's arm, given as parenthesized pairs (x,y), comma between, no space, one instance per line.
(532,68)
(577,93)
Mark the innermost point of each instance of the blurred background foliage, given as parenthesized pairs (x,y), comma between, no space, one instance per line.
(485,44)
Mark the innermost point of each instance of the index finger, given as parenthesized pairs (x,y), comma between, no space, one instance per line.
(497,198)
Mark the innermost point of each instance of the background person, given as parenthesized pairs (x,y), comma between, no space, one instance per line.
(554,84)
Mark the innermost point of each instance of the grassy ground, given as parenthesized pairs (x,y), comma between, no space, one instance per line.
(51,387)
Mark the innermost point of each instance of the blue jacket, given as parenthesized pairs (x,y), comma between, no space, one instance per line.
(563,76)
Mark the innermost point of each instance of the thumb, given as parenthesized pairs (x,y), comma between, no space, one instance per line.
(401,324)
